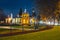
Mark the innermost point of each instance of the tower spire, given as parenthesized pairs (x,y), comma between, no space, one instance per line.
(11,15)
(25,10)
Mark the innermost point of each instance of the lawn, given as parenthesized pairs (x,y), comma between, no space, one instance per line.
(5,31)
(52,34)
(28,27)
(23,26)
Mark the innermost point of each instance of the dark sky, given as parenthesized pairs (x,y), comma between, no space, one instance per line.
(13,6)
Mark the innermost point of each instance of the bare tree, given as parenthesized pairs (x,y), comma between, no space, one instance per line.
(20,11)
(2,15)
(46,7)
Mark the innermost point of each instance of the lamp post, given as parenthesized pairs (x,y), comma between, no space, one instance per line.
(22,28)
(35,25)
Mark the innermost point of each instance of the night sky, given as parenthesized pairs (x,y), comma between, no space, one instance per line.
(13,6)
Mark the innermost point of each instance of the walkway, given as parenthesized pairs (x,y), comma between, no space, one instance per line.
(8,27)
(25,32)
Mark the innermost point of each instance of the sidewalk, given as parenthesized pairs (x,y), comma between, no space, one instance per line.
(24,32)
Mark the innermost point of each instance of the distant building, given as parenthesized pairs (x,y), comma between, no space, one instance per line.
(32,21)
(24,19)
(8,20)
(16,20)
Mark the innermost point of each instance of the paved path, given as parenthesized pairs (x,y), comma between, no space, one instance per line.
(24,32)
(8,27)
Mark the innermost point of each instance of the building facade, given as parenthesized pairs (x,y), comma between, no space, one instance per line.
(25,19)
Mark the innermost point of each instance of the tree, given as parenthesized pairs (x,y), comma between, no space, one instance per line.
(20,12)
(38,17)
(57,11)
(33,13)
(46,7)
(2,15)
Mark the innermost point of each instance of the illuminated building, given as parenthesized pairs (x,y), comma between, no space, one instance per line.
(11,16)
(16,20)
(25,18)
(32,21)
(8,20)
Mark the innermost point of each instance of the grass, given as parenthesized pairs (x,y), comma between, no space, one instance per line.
(52,34)
(29,27)
(4,31)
